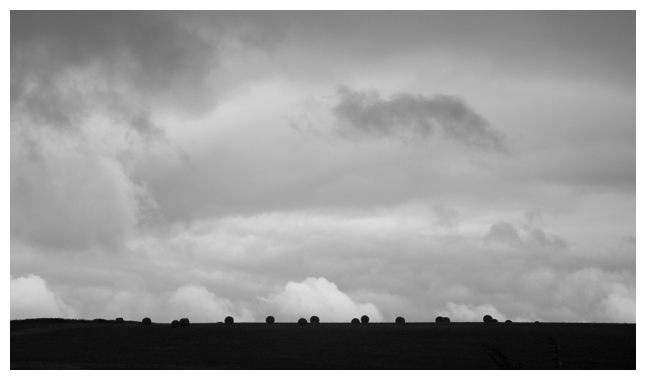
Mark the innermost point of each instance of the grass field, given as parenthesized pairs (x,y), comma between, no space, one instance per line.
(42,344)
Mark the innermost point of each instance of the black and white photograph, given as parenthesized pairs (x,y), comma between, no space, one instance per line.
(323,189)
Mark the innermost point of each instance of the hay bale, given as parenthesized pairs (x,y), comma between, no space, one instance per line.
(228,320)
(270,319)
(365,319)
(184,322)
(508,321)
(175,324)
(119,320)
(355,320)
(494,320)
(446,319)
(400,320)
(314,319)
(146,321)
(302,322)
(439,319)
(487,318)
(537,322)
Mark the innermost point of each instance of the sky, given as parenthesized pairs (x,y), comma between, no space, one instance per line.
(214,163)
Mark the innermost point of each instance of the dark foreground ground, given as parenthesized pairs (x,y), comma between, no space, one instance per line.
(131,345)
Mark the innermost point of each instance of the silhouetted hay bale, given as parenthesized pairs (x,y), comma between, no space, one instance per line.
(302,322)
(487,318)
(184,322)
(270,319)
(355,320)
(508,321)
(446,319)
(314,319)
(175,324)
(145,321)
(119,320)
(537,322)
(439,319)
(365,319)
(494,320)
(228,320)
(400,320)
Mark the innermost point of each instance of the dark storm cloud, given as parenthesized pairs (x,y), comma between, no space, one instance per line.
(412,116)
(146,54)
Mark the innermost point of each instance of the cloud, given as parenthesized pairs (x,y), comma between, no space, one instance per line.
(606,296)
(198,304)
(502,232)
(71,200)
(412,116)
(32,298)
(470,313)
(507,233)
(550,241)
(317,296)
(134,54)
(448,217)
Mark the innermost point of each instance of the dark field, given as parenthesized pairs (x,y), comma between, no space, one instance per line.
(131,345)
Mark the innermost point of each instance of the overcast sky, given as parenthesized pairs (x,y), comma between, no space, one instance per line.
(205,164)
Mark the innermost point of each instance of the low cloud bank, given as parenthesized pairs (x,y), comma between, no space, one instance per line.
(320,297)
(32,298)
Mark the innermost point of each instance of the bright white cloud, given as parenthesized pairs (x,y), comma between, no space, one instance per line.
(470,313)
(320,297)
(198,304)
(32,298)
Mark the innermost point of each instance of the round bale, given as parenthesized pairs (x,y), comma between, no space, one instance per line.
(355,320)
(508,321)
(270,319)
(487,318)
(314,319)
(184,322)
(228,320)
(446,319)
(439,319)
(494,320)
(365,319)
(119,320)
(146,321)
(175,324)
(400,320)
(302,322)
